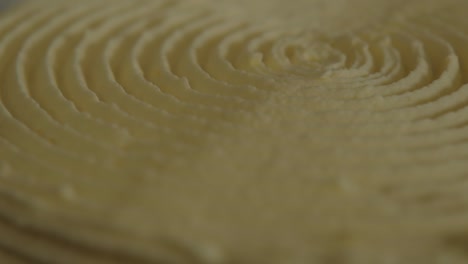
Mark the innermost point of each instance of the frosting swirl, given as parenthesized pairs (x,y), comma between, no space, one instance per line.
(167,131)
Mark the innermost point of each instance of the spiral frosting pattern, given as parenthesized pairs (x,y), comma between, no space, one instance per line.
(170,131)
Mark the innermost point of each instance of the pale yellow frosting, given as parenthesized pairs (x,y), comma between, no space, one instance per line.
(234,132)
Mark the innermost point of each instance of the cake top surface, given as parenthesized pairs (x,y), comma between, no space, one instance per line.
(170,131)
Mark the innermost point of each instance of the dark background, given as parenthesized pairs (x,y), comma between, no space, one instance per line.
(6,3)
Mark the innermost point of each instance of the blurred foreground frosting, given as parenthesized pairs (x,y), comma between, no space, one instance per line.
(234,132)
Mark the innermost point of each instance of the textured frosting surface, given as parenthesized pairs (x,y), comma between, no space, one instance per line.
(234,132)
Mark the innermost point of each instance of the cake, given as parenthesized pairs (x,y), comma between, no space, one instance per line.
(234,132)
